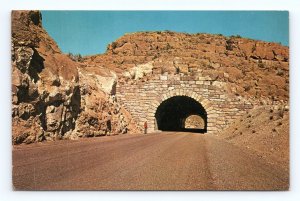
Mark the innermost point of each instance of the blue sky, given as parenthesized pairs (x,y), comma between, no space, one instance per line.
(89,32)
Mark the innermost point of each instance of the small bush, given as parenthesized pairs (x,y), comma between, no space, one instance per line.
(235,36)
(247,88)
(229,47)
(169,32)
(280,72)
(281,112)
(168,46)
(114,45)
(75,57)
(261,64)
(163,70)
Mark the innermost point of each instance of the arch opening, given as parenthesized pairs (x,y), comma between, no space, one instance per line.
(194,122)
(172,113)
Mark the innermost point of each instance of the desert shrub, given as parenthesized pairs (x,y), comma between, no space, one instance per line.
(75,57)
(261,64)
(281,112)
(114,45)
(168,46)
(229,44)
(247,88)
(169,32)
(235,36)
(280,72)
(163,70)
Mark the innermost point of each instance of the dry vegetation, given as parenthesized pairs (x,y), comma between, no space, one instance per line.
(263,130)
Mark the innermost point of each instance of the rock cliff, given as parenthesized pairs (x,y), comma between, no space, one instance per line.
(51,98)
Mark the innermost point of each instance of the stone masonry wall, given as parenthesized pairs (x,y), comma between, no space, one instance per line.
(141,99)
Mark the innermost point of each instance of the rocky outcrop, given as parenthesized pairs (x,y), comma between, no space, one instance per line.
(251,68)
(101,114)
(49,101)
(45,88)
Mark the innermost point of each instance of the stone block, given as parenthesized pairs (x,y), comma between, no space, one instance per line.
(206,82)
(199,82)
(164,77)
(204,78)
(214,115)
(210,124)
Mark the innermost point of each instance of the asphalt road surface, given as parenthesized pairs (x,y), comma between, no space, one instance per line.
(162,161)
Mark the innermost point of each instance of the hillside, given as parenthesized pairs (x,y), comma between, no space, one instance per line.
(263,130)
(251,68)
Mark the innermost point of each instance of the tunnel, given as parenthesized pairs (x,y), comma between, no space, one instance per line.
(172,113)
(194,121)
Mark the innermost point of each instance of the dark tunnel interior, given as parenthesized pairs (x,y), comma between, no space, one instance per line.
(171,114)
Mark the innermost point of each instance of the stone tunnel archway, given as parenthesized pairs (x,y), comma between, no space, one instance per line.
(143,98)
(172,113)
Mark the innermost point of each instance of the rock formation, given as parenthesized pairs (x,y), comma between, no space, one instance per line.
(49,101)
(249,67)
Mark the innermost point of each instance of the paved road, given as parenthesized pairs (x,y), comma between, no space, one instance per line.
(164,161)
